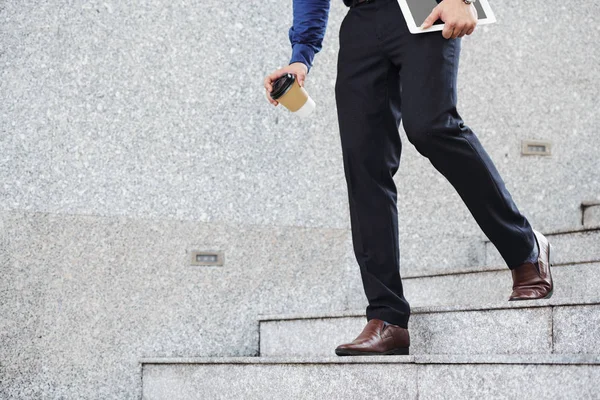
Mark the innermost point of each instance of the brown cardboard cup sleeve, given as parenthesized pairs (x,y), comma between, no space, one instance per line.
(288,92)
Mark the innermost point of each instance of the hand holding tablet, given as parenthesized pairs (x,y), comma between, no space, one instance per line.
(416,12)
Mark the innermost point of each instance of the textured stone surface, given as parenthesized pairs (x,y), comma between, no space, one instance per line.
(422,255)
(429,254)
(508,382)
(520,331)
(568,247)
(591,215)
(279,381)
(83,297)
(117,109)
(460,257)
(156,109)
(579,281)
(552,302)
(314,360)
(554,359)
(317,337)
(577,330)
(430,377)
(570,281)
(21,309)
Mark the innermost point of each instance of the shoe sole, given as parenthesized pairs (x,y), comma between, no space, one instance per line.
(402,351)
(533,298)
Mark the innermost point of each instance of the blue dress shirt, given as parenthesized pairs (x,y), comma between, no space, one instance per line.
(308,29)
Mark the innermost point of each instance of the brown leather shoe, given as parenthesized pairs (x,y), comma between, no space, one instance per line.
(532,281)
(377,339)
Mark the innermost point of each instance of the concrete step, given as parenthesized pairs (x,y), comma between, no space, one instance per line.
(406,377)
(554,326)
(572,246)
(489,286)
(452,255)
(576,272)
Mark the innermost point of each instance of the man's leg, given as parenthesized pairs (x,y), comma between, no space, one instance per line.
(368,104)
(429,65)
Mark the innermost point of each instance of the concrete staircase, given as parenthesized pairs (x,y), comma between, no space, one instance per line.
(468,342)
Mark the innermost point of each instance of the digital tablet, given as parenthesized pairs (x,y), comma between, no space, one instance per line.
(416,11)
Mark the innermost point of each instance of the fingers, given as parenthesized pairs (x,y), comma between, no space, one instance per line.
(457,32)
(448,30)
(472,27)
(270,100)
(298,69)
(268,89)
(433,16)
(268,84)
(467,29)
(458,19)
(273,76)
(452,30)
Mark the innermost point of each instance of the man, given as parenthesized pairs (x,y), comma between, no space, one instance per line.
(385,73)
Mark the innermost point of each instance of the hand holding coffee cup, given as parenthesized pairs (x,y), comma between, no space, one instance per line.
(300,70)
(285,86)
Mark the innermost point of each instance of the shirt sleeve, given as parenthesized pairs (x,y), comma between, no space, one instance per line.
(308,29)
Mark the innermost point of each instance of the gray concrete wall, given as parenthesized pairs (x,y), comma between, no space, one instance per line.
(131,132)
(83,297)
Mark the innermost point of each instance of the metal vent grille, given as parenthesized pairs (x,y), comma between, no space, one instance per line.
(202,258)
(536,148)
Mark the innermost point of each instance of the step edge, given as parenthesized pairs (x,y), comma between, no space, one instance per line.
(565,231)
(278,360)
(522,359)
(485,269)
(437,309)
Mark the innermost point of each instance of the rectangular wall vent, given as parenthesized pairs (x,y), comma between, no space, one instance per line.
(207,258)
(536,148)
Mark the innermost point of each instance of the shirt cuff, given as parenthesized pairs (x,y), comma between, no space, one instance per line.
(303,53)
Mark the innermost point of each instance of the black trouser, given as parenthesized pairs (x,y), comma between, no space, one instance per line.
(385,73)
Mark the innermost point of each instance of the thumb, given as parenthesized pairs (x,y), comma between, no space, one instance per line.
(434,16)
